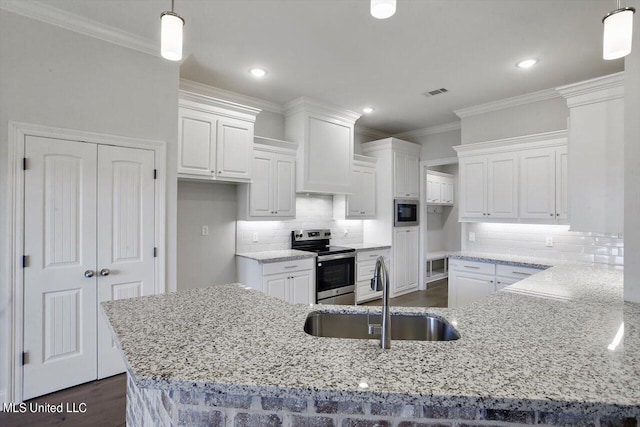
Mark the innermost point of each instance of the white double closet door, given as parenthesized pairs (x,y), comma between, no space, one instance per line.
(89,238)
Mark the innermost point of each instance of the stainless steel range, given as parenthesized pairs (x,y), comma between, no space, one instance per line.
(335,266)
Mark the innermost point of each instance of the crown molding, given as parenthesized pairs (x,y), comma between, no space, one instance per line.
(431,130)
(216,92)
(391,143)
(304,104)
(79,24)
(594,90)
(207,104)
(527,98)
(538,140)
(370,133)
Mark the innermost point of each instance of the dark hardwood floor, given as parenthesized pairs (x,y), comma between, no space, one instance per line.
(105,400)
(435,295)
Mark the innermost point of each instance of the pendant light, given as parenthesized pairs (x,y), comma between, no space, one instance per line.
(618,32)
(383,9)
(171,35)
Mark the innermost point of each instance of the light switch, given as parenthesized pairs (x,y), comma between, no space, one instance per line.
(549,241)
(205,230)
(472,236)
(255,237)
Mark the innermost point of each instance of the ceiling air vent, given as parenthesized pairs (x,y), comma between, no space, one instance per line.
(435,92)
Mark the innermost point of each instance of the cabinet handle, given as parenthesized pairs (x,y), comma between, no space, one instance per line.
(89,274)
(276,212)
(470,266)
(490,281)
(105,272)
(488,214)
(520,272)
(483,213)
(557,214)
(290,266)
(373,256)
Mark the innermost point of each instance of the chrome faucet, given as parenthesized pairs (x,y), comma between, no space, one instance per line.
(380,282)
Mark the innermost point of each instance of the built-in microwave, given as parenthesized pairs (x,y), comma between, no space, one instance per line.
(406,212)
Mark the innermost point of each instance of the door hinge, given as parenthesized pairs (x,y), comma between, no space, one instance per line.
(25,261)
(155,174)
(25,358)
(155,252)
(24,163)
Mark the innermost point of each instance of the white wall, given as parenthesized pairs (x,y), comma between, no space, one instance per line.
(530,240)
(528,119)
(206,260)
(313,211)
(632,166)
(55,77)
(270,125)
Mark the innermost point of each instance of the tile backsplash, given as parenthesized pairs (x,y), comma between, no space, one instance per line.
(530,240)
(312,211)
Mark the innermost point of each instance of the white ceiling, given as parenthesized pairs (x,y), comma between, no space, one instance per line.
(333,50)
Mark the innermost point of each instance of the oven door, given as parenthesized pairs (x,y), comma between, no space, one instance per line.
(406,213)
(335,275)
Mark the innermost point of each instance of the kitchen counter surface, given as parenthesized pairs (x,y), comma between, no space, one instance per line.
(525,349)
(361,247)
(518,260)
(277,256)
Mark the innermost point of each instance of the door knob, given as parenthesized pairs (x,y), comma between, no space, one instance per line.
(105,272)
(89,274)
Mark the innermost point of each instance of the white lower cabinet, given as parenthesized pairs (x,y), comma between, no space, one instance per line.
(405,260)
(292,281)
(365,267)
(470,281)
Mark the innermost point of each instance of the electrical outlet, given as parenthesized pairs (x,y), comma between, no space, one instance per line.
(255,238)
(472,236)
(549,242)
(205,230)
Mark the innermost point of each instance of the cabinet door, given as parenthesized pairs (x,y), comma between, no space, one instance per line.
(196,142)
(562,199)
(434,189)
(447,190)
(399,268)
(465,288)
(503,282)
(368,199)
(537,184)
(412,251)
(354,200)
(301,288)
(412,180)
(328,157)
(262,188)
(400,175)
(473,187)
(284,192)
(234,149)
(502,188)
(277,286)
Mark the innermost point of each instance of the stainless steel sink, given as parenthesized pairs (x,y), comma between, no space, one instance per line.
(403,326)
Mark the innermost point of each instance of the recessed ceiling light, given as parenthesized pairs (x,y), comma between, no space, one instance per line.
(383,9)
(367,110)
(527,63)
(258,72)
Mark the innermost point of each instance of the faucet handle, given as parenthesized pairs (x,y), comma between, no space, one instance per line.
(374,329)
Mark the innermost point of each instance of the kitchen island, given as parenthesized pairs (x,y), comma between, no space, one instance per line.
(226,355)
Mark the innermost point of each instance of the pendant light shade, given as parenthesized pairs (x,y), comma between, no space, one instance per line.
(171,35)
(618,33)
(383,9)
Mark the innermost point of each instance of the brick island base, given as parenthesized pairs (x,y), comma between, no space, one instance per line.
(161,408)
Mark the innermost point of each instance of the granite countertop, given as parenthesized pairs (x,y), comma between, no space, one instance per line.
(523,261)
(277,256)
(360,247)
(525,349)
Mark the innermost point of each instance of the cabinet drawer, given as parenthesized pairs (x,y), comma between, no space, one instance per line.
(515,272)
(364,291)
(472,266)
(371,255)
(287,266)
(365,270)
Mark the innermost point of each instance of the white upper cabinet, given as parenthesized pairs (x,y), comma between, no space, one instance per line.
(543,183)
(215,139)
(271,194)
(361,203)
(406,173)
(520,179)
(325,137)
(440,188)
(596,163)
